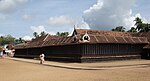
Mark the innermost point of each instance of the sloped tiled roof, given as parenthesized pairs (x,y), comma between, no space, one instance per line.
(147,35)
(57,40)
(96,36)
(111,36)
(47,40)
(111,39)
(99,32)
(22,45)
(34,43)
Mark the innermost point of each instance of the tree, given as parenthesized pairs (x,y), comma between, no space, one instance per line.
(58,34)
(18,41)
(145,28)
(132,30)
(119,29)
(35,34)
(138,23)
(140,26)
(8,39)
(42,33)
(62,33)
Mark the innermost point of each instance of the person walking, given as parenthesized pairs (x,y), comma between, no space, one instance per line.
(42,58)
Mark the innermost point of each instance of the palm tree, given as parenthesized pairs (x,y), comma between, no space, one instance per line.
(35,34)
(140,26)
(42,33)
(58,33)
(21,40)
(138,23)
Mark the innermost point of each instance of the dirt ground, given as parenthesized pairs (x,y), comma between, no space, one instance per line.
(11,70)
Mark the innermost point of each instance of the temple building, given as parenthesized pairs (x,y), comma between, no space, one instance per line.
(86,45)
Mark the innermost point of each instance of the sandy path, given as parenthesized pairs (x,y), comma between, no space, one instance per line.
(11,70)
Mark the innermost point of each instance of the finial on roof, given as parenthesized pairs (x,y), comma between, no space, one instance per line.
(74,31)
(86,32)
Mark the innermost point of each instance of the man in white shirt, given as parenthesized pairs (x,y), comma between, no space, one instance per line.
(42,58)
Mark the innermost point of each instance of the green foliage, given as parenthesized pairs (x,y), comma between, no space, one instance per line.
(62,33)
(42,33)
(144,28)
(138,21)
(58,33)
(119,29)
(18,41)
(140,26)
(132,30)
(8,39)
(35,34)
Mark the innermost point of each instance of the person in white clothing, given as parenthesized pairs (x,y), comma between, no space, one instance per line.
(42,58)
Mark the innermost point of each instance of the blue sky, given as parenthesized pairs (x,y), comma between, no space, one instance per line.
(20,18)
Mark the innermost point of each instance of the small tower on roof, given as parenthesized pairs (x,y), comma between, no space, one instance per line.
(74,31)
(86,37)
(74,34)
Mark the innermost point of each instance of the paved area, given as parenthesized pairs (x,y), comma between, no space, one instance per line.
(91,66)
(18,69)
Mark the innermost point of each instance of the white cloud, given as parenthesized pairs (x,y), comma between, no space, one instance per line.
(38,29)
(138,15)
(60,21)
(27,17)
(107,14)
(27,38)
(95,7)
(7,6)
(146,20)
(83,25)
(52,33)
(2,34)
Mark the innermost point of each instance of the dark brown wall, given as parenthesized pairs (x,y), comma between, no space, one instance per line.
(92,50)
(63,51)
(20,51)
(76,51)
(146,54)
(28,52)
